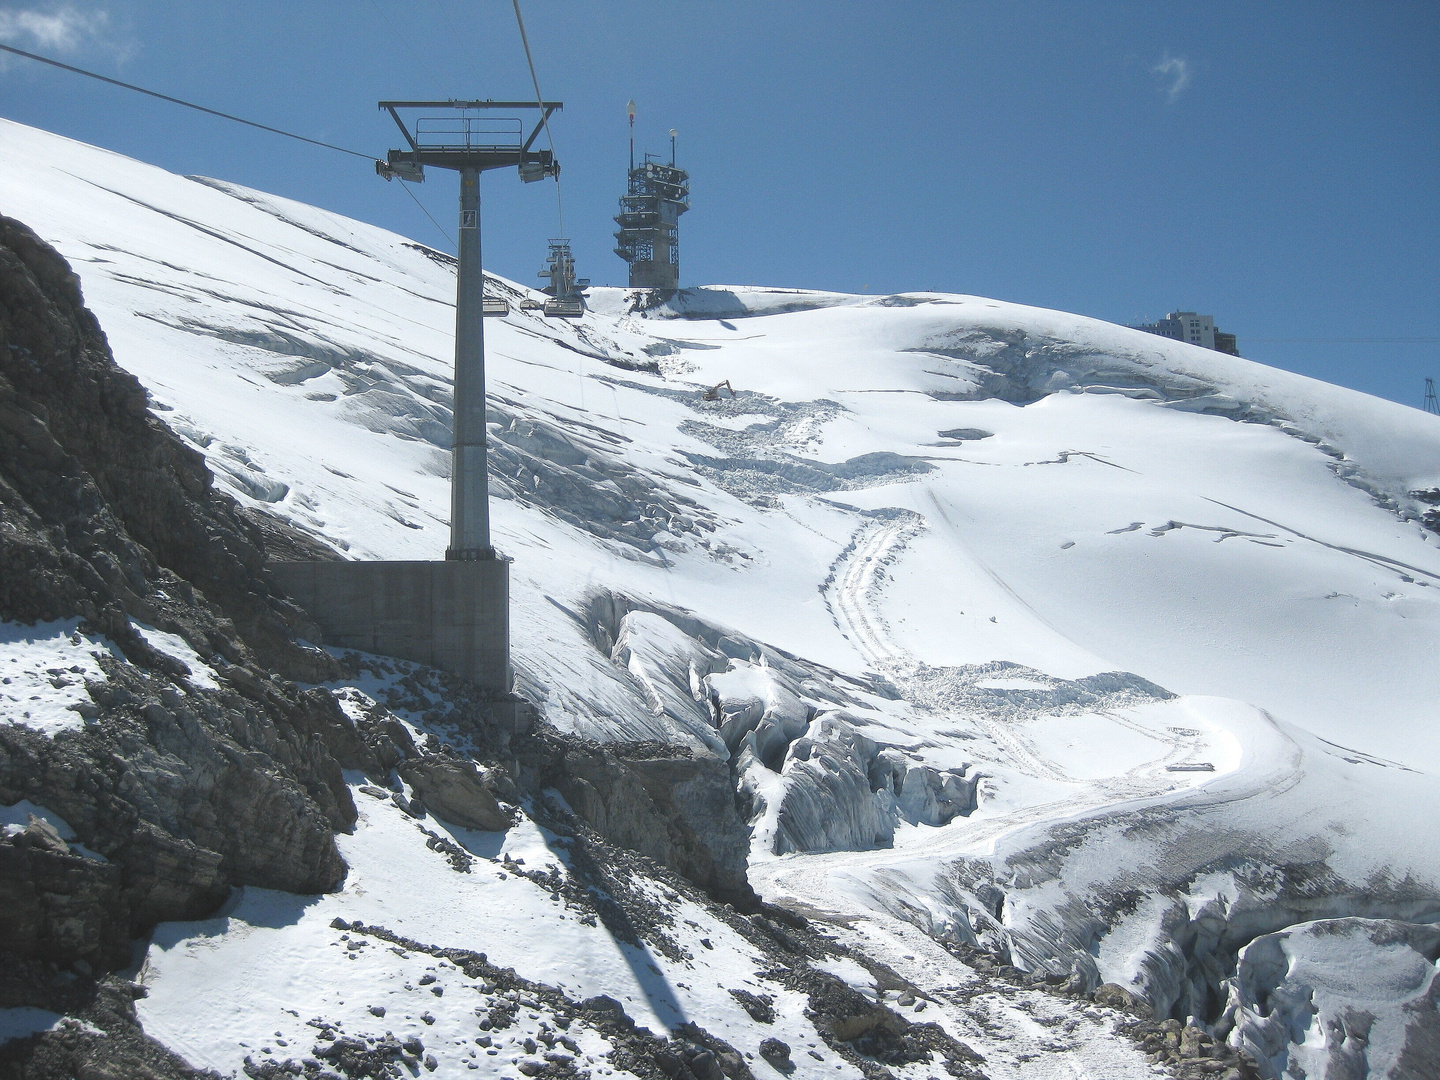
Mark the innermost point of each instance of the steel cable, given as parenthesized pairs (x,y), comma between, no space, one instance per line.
(545,117)
(181,101)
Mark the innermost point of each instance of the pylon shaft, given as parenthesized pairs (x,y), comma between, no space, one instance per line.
(469,482)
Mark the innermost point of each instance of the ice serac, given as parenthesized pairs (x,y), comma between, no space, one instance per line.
(828,804)
(1339,998)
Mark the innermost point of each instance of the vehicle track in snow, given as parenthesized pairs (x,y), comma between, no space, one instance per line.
(857,580)
(854,592)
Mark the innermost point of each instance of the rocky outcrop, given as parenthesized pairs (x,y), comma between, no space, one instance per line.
(191,792)
(188,776)
(452,789)
(60,905)
(94,1034)
(672,804)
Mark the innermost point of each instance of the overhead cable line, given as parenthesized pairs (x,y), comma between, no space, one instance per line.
(545,116)
(223,116)
(405,185)
(180,101)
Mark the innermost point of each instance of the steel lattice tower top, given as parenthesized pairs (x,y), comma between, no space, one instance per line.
(649,236)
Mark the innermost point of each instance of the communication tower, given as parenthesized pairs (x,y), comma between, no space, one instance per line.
(1431,404)
(655,196)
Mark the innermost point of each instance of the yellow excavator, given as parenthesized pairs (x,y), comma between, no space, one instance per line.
(713,393)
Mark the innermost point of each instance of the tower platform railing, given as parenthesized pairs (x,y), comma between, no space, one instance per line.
(452,133)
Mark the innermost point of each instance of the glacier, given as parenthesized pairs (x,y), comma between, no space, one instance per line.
(1017,629)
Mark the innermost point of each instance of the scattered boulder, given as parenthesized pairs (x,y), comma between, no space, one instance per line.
(606,1006)
(851,1027)
(1117,997)
(453,790)
(777,1053)
(760,1007)
(40,835)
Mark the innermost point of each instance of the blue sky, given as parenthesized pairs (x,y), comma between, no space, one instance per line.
(1275,165)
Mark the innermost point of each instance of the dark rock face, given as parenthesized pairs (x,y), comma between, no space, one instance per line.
(185,789)
(676,807)
(62,905)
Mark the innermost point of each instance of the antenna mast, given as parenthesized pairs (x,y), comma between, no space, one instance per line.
(1431,404)
(630,112)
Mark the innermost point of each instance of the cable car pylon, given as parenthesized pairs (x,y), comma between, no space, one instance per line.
(470,144)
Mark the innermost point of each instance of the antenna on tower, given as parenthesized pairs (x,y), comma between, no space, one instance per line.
(1431,404)
(630,112)
(655,196)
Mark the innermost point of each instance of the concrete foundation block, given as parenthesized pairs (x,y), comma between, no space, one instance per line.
(454,616)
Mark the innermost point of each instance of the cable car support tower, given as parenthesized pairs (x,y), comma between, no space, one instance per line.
(470,145)
(455,614)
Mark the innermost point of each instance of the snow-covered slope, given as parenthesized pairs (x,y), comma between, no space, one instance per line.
(1110,652)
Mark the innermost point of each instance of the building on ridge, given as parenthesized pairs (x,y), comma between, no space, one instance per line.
(1193,328)
(655,196)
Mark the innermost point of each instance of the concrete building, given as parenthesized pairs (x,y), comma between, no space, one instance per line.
(1194,329)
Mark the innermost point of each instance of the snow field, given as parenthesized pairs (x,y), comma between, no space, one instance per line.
(1065,523)
(43,670)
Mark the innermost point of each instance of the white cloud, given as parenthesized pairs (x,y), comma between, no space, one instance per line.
(65,29)
(1175,70)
